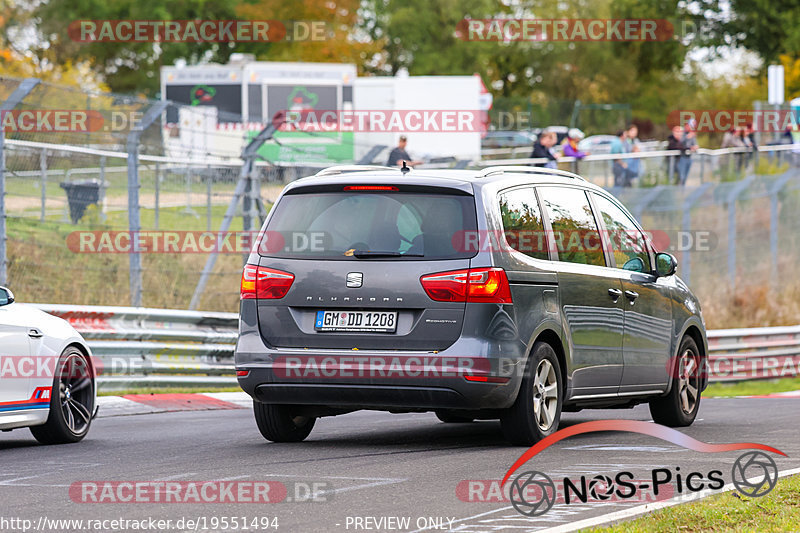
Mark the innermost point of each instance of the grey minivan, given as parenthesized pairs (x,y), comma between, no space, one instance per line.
(510,293)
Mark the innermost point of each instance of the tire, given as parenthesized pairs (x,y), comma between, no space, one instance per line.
(71,401)
(277,423)
(679,407)
(449,418)
(537,409)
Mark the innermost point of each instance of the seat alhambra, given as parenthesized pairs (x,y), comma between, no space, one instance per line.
(511,293)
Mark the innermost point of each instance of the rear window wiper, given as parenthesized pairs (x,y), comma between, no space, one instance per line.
(377,253)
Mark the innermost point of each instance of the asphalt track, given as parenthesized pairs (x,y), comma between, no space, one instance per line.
(370,466)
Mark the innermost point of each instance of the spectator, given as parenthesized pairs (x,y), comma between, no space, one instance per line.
(690,140)
(543,147)
(574,136)
(399,154)
(679,140)
(750,133)
(622,174)
(744,142)
(733,139)
(634,165)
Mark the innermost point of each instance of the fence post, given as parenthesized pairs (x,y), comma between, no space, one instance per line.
(158,186)
(774,191)
(134,224)
(732,197)
(22,90)
(249,154)
(208,198)
(671,169)
(43,168)
(702,167)
(694,196)
(103,185)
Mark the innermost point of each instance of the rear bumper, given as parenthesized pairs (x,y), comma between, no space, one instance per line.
(268,383)
(361,396)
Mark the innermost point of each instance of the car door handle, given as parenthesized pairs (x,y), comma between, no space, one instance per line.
(631,295)
(615,294)
(34,333)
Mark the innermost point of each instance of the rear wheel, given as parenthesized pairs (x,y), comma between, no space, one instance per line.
(537,409)
(679,407)
(279,423)
(450,418)
(71,401)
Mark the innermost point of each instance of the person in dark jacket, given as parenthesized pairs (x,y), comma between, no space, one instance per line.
(679,140)
(399,154)
(542,148)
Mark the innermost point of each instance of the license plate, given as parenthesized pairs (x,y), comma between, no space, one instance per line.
(374,321)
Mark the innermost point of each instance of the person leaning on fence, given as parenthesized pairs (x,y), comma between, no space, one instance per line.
(623,177)
(634,165)
(543,148)
(750,133)
(399,155)
(733,139)
(685,143)
(574,136)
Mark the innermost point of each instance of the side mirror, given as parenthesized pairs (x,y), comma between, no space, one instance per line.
(666,264)
(6,296)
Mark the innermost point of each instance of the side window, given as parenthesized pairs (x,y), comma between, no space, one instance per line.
(522,223)
(627,242)
(574,229)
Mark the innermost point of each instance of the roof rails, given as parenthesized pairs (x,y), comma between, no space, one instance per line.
(343,169)
(488,171)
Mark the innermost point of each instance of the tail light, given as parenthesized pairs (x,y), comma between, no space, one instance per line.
(488,285)
(264,283)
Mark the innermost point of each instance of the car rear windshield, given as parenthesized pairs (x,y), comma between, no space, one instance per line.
(370,226)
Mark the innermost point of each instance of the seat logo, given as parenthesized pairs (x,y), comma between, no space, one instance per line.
(355,279)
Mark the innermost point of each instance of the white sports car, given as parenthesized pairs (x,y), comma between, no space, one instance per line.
(46,374)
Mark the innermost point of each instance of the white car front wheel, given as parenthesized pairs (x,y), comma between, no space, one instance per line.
(71,402)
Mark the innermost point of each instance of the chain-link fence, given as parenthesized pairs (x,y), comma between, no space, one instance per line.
(77,200)
(88,175)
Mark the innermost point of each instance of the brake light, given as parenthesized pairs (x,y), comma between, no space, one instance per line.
(371,188)
(242,373)
(487,379)
(485,285)
(264,283)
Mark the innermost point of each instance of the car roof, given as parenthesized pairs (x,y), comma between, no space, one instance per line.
(465,180)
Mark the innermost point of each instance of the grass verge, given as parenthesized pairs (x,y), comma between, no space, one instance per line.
(730,512)
(751,388)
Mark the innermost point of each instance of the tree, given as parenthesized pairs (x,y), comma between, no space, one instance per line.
(768,27)
(127,66)
(18,62)
(343,42)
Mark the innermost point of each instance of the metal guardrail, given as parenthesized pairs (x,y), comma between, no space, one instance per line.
(140,347)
